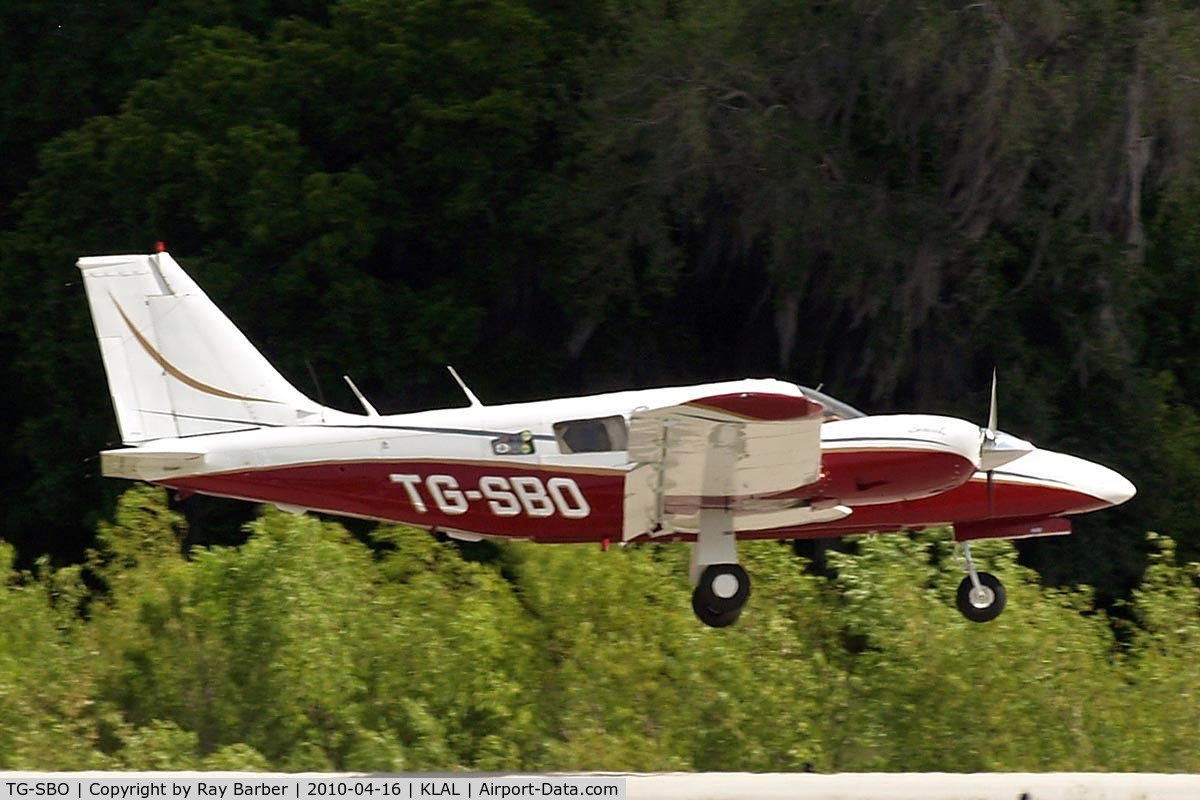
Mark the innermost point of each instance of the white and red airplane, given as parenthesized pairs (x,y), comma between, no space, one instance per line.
(201,410)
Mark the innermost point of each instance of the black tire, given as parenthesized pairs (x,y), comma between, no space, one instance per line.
(713,619)
(710,599)
(974,609)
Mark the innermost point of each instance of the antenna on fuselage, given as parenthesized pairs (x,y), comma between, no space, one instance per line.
(312,373)
(470,395)
(367,407)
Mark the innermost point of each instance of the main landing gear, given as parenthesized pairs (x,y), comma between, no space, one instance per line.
(981,595)
(722,585)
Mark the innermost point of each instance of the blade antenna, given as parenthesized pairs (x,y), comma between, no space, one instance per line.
(312,373)
(367,407)
(462,385)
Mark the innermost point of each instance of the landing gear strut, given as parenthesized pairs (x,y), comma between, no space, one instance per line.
(722,585)
(981,596)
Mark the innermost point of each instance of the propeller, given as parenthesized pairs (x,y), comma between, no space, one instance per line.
(989,443)
(992,412)
(997,449)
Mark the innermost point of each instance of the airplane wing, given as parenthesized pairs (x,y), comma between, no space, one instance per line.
(737,452)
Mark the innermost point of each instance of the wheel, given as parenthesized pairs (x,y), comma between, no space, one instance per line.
(713,619)
(983,604)
(723,587)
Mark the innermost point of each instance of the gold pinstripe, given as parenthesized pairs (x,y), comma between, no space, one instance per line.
(177,373)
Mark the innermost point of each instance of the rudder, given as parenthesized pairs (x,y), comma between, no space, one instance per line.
(176,365)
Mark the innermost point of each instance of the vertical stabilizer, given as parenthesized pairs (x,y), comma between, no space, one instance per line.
(176,365)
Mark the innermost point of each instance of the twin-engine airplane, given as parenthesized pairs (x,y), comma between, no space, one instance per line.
(201,410)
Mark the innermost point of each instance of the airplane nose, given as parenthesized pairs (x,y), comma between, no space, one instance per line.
(1115,487)
(1101,482)
(1092,485)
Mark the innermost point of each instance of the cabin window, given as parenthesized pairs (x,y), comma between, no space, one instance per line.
(599,435)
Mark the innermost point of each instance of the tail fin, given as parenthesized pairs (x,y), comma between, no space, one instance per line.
(176,365)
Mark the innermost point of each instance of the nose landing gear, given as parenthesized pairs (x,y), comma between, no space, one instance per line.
(981,596)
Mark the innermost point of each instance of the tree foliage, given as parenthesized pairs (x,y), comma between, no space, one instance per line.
(307,649)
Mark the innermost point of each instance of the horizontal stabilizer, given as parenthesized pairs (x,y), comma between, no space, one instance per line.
(141,464)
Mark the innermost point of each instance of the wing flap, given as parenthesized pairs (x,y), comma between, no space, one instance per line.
(746,521)
(717,452)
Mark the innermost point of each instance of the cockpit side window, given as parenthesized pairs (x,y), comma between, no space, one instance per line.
(599,435)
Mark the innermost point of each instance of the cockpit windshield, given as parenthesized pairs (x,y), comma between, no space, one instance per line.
(834,409)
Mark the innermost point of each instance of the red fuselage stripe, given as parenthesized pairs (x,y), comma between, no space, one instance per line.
(565,504)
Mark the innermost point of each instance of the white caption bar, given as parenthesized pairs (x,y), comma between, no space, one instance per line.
(193,786)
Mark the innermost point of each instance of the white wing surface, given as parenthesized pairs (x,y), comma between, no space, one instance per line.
(751,453)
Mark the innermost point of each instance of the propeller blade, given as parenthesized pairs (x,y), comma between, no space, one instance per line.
(990,495)
(992,412)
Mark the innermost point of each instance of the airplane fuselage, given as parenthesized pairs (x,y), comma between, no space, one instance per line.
(510,471)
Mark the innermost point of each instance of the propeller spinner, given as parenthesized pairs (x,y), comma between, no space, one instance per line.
(995,447)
